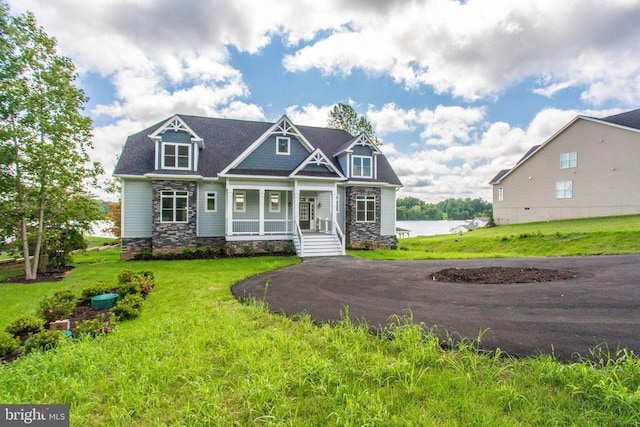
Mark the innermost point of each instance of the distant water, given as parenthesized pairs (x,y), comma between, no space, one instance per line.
(428,228)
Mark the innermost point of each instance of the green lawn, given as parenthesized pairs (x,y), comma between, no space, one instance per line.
(196,357)
(597,236)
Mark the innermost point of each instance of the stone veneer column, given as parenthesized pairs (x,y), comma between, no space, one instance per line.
(174,236)
(360,233)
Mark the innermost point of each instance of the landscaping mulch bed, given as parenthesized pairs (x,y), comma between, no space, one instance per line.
(500,275)
(51,275)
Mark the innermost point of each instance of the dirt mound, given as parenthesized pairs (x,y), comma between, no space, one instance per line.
(500,275)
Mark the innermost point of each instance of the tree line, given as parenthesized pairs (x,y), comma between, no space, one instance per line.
(413,208)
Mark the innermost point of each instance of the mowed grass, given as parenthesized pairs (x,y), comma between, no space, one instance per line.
(198,357)
(595,236)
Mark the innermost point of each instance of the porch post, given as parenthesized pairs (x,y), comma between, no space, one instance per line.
(229,211)
(296,203)
(334,216)
(261,213)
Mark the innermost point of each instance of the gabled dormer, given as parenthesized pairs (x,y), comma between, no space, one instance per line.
(177,146)
(317,165)
(358,158)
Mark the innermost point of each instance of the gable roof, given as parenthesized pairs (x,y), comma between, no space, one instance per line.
(629,120)
(225,140)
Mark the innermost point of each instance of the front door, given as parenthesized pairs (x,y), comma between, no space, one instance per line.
(305,215)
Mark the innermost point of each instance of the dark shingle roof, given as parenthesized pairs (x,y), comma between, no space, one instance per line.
(629,119)
(500,174)
(225,139)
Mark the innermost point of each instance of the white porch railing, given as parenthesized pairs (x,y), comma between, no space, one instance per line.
(340,235)
(324,225)
(251,227)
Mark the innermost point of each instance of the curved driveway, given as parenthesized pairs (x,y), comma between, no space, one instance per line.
(564,318)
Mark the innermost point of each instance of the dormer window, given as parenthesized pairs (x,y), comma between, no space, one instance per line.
(361,167)
(176,156)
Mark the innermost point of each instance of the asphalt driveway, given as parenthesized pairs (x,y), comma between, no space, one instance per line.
(565,318)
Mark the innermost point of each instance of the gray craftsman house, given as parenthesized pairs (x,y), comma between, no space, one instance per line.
(589,168)
(191,182)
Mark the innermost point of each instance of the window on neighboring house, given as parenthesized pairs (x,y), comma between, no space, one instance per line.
(176,156)
(564,190)
(274,202)
(500,194)
(361,167)
(240,201)
(282,145)
(568,160)
(365,208)
(212,205)
(174,205)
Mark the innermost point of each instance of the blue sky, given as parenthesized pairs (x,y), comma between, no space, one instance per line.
(455,90)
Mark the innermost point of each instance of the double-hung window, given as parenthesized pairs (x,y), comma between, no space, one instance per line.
(361,167)
(365,208)
(283,145)
(240,201)
(274,201)
(500,194)
(211,202)
(564,190)
(174,206)
(176,156)
(568,160)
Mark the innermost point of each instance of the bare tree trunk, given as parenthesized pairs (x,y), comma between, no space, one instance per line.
(36,251)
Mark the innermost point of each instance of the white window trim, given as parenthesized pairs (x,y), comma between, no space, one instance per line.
(214,195)
(361,158)
(366,200)
(244,201)
(561,193)
(500,194)
(572,160)
(174,195)
(283,138)
(271,194)
(176,145)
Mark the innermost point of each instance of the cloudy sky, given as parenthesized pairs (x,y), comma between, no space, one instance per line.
(456,90)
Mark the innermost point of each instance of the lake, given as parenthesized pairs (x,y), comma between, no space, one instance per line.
(428,228)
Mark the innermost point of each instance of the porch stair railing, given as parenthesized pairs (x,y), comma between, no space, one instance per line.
(318,244)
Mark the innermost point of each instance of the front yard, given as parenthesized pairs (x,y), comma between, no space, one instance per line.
(196,356)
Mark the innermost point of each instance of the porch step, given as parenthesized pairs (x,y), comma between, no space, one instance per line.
(317,245)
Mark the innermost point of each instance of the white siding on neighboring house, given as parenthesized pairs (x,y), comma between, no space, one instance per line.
(388,212)
(137,208)
(211,224)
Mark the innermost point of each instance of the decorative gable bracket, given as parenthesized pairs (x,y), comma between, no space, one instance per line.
(318,158)
(176,124)
(361,140)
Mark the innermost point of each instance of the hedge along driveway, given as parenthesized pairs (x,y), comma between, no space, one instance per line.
(601,306)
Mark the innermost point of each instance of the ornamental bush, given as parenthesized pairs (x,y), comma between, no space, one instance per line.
(98,288)
(8,343)
(44,341)
(25,325)
(99,325)
(128,307)
(57,306)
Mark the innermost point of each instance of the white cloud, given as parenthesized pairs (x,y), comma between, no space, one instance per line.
(309,115)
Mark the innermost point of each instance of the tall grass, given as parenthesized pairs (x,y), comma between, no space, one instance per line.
(196,356)
(595,236)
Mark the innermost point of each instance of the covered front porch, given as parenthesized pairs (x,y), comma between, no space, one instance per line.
(278,211)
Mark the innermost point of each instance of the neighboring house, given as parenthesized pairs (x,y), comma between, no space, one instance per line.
(191,182)
(589,168)
(470,224)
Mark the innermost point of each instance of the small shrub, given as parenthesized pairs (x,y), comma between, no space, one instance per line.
(97,326)
(143,256)
(248,250)
(268,247)
(289,248)
(126,275)
(44,341)
(227,250)
(98,288)
(202,252)
(57,306)
(128,307)
(188,254)
(367,245)
(25,325)
(8,343)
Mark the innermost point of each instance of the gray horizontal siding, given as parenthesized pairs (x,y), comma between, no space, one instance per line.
(137,204)
(264,157)
(211,224)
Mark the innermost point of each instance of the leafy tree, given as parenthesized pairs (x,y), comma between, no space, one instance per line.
(44,138)
(413,208)
(343,116)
